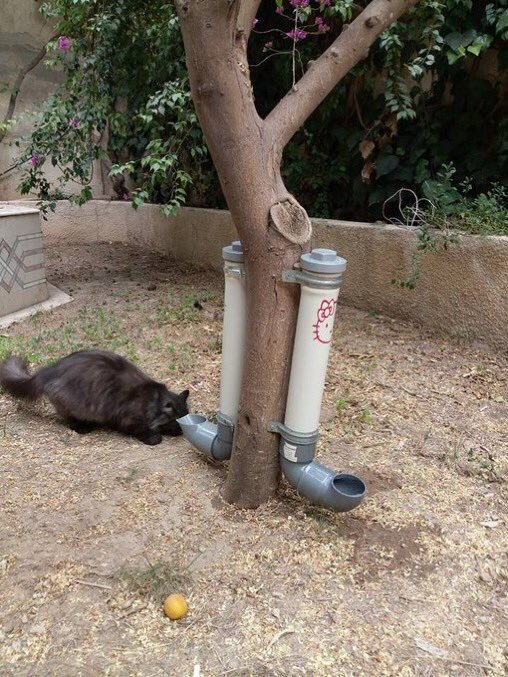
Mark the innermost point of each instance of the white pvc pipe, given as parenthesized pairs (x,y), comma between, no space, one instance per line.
(314,327)
(233,338)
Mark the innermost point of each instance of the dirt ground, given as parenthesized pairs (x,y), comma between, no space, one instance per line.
(95,530)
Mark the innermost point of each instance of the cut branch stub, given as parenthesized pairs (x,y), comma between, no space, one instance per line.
(291,221)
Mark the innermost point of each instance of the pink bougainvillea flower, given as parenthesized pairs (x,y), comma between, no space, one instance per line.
(299,3)
(297,34)
(34,160)
(279,10)
(323,28)
(64,43)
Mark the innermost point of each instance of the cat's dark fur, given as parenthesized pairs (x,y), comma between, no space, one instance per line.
(93,388)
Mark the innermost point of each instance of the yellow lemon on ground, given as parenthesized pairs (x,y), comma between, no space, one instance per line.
(175,607)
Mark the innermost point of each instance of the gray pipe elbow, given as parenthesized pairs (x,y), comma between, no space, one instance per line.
(213,440)
(337,491)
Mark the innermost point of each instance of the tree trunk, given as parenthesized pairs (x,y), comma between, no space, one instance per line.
(249,171)
(271,319)
(273,227)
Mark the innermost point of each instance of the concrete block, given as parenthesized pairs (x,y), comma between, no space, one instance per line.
(22,272)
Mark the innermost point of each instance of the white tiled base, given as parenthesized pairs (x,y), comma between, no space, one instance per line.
(56,298)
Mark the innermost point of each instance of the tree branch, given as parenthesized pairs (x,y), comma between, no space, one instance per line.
(19,81)
(246,16)
(344,53)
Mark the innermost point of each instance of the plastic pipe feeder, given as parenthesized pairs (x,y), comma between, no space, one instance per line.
(216,440)
(320,277)
(213,439)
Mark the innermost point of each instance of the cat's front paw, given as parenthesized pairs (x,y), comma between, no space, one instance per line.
(81,427)
(150,438)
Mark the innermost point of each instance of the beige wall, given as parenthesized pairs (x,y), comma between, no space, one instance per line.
(463,292)
(22,271)
(22,33)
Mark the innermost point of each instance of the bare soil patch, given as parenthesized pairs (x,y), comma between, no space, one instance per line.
(96,529)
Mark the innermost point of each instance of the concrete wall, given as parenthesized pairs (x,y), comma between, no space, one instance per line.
(22,34)
(22,272)
(463,292)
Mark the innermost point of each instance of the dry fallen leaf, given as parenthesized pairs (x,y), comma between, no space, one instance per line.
(367,170)
(430,648)
(391,123)
(366,147)
(491,524)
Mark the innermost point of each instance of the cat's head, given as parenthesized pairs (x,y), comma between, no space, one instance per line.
(170,406)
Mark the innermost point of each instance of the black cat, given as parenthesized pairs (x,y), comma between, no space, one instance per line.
(93,388)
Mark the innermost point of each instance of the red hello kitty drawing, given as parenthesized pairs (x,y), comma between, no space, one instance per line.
(324,325)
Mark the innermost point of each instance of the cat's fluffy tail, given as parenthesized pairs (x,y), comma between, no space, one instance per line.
(15,379)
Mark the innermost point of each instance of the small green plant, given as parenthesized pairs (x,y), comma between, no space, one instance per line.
(341,404)
(447,210)
(211,416)
(215,344)
(187,310)
(132,475)
(366,417)
(452,206)
(93,327)
(158,580)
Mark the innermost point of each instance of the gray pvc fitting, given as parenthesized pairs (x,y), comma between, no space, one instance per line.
(320,268)
(233,252)
(215,440)
(338,491)
(324,261)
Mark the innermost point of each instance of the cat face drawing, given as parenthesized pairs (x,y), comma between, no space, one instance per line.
(323,327)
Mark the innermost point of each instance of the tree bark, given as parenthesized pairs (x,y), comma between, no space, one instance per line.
(250,178)
(273,227)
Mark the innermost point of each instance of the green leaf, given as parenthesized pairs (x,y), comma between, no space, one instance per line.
(386,164)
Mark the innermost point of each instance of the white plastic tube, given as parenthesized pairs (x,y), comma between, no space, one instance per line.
(314,328)
(233,338)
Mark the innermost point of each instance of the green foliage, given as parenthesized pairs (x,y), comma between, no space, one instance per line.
(93,326)
(402,114)
(454,207)
(125,99)
(448,210)
(417,103)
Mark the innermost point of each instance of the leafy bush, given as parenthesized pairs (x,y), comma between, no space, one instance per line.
(454,207)
(418,102)
(447,210)
(125,100)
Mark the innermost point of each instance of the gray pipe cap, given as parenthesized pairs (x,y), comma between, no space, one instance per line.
(323,261)
(233,252)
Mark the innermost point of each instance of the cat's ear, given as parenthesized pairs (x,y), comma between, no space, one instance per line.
(184,395)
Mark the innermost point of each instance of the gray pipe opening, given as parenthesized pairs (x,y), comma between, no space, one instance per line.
(215,440)
(338,491)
